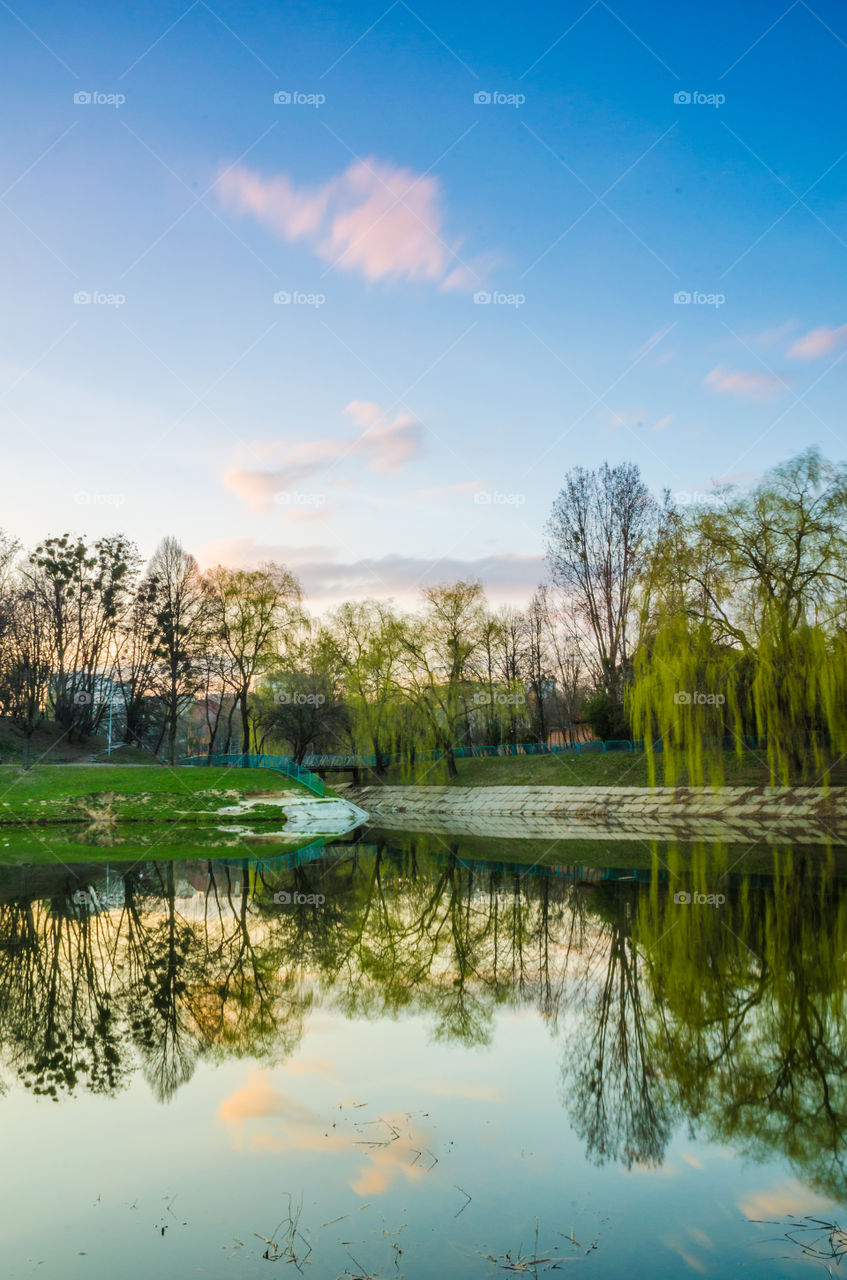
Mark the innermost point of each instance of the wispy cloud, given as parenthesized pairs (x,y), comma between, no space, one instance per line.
(382,220)
(327,580)
(819,342)
(743,384)
(261,1118)
(384,445)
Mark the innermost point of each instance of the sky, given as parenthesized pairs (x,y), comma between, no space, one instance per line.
(352,286)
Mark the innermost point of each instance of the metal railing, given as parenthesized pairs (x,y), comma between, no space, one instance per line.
(247,760)
(305,773)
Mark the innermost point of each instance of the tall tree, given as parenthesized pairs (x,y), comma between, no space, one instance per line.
(179,631)
(252,612)
(81,592)
(437,648)
(597,535)
(24,660)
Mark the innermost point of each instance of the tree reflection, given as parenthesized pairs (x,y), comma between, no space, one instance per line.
(729,1017)
(748,1016)
(619,1105)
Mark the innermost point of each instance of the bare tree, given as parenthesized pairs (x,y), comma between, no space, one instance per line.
(597,535)
(24,661)
(178,631)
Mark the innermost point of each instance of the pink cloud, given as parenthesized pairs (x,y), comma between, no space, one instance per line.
(385,446)
(818,343)
(743,384)
(261,1118)
(382,220)
(327,580)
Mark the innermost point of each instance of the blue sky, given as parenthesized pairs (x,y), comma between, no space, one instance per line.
(383,427)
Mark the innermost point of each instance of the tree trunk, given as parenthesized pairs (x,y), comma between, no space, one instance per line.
(245,722)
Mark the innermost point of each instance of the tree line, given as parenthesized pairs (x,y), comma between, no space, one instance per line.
(685,625)
(87,628)
(730,1021)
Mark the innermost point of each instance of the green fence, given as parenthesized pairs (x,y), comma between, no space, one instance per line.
(281,764)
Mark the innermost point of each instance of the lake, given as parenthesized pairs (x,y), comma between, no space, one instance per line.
(410,1056)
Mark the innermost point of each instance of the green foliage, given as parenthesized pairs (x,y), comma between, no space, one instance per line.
(604,713)
(743,628)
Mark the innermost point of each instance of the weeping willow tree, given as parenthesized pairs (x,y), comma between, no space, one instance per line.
(436,675)
(744,604)
(747,1020)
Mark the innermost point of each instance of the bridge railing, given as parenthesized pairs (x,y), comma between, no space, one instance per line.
(247,760)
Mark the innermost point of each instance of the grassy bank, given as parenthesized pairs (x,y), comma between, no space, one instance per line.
(610,770)
(150,793)
(127,844)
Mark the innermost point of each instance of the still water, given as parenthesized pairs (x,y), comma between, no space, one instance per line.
(399,1057)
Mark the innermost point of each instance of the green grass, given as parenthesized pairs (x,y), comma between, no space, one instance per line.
(632,855)
(615,769)
(151,793)
(126,844)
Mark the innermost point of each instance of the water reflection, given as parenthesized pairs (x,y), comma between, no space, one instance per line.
(671,1007)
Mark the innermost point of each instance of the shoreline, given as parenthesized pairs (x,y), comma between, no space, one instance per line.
(803,815)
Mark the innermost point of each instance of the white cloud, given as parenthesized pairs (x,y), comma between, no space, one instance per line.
(382,220)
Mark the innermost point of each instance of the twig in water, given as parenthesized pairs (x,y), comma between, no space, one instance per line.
(467,1202)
